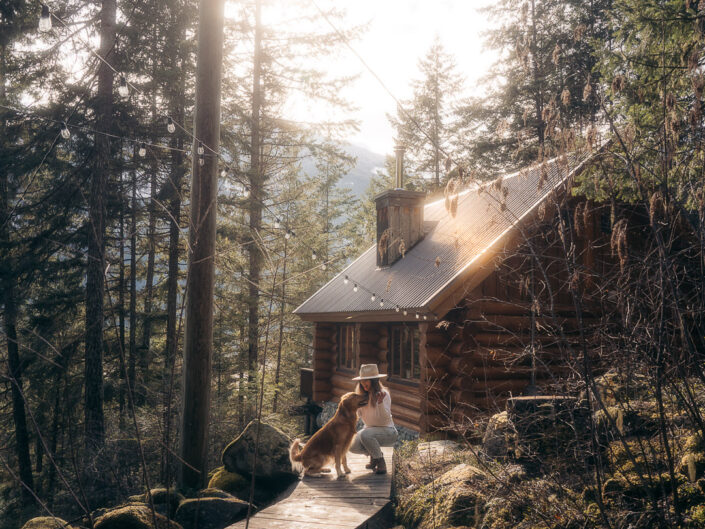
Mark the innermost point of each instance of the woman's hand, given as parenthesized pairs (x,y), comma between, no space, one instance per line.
(380,397)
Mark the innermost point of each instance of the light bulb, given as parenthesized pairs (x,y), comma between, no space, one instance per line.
(224,172)
(287,235)
(200,149)
(346,280)
(201,159)
(123,90)
(373,297)
(381,303)
(170,126)
(245,193)
(45,19)
(277,224)
(417,315)
(142,150)
(65,132)
(355,288)
(397,308)
(324,266)
(425,317)
(314,256)
(405,312)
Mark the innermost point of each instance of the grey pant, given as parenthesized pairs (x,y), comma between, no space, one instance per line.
(368,440)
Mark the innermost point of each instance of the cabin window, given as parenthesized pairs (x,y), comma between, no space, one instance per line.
(347,346)
(404,352)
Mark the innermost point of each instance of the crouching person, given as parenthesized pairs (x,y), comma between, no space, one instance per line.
(378,427)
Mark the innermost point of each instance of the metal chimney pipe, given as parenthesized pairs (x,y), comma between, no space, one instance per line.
(399,152)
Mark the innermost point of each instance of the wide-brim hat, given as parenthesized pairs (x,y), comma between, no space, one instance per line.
(368,371)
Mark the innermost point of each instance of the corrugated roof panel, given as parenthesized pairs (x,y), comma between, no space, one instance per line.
(448,247)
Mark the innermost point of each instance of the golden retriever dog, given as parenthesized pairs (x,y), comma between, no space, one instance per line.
(330,442)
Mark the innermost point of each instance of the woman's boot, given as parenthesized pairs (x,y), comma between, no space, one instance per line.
(372,464)
(381,466)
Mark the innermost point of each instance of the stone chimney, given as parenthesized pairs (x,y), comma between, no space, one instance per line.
(399,218)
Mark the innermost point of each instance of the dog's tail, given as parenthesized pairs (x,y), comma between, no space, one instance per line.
(295,456)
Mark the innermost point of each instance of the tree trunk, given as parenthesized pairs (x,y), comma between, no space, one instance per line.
(176,108)
(94,420)
(132,354)
(121,298)
(282,313)
(7,283)
(198,341)
(256,198)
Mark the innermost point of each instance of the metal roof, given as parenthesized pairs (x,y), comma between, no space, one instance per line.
(451,245)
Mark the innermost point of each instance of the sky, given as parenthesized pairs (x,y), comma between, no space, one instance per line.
(399,33)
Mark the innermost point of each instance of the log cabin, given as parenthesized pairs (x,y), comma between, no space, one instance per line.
(464,301)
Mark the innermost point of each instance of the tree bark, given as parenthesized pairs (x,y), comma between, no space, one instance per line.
(198,341)
(7,283)
(255,206)
(94,419)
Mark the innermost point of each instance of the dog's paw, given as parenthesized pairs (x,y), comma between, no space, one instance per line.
(342,476)
(347,470)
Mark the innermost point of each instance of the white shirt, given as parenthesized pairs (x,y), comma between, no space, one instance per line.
(379,415)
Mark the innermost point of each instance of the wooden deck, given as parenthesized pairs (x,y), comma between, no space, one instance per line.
(362,500)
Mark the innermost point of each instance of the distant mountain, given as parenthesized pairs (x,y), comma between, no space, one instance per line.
(359,178)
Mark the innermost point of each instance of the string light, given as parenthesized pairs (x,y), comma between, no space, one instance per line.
(123,90)
(373,297)
(417,315)
(45,19)
(200,149)
(287,235)
(381,303)
(170,127)
(277,224)
(355,288)
(346,280)
(225,171)
(323,266)
(405,312)
(201,159)
(142,150)
(65,132)
(425,317)
(397,308)
(314,256)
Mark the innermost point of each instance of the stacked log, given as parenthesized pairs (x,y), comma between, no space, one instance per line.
(324,357)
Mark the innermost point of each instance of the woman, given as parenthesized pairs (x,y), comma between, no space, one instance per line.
(378,427)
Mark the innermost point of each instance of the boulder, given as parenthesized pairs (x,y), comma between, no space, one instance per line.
(228,481)
(214,493)
(210,513)
(627,421)
(165,501)
(135,516)
(450,500)
(46,522)
(499,436)
(272,453)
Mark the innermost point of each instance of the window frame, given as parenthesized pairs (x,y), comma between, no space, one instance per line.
(354,356)
(396,371)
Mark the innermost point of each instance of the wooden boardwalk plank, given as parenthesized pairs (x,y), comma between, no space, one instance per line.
(330,502)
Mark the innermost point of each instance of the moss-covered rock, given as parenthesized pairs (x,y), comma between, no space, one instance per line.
(636,419)
(450,500)
(692,465)
(214,493)
(616,387)
(272,453)
(210,513)
(46,522)
(231,482)
(134,517)
(499,436)
(165,501)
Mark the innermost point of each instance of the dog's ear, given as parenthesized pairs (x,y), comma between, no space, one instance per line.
(343,407)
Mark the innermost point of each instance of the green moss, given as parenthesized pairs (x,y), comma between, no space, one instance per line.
(697,516)
(227,481)
(450,500)
(134,517)
(46,522)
